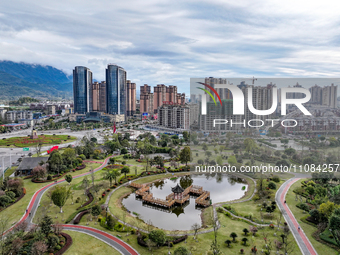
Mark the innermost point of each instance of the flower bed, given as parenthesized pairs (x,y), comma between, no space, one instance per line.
(27,141)
(53,179)
(67,245)
(114,166)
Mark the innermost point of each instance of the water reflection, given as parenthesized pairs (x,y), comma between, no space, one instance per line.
(222,188)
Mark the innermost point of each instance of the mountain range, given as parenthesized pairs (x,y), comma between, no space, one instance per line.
(34,80)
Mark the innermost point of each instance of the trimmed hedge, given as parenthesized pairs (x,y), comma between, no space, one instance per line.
(67,245)
(141,241)
(80,215)
(80,167)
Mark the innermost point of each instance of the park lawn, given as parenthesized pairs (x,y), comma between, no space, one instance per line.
(254,207)
(308,229)
(84,244)
(202,247)
(152,178)
(229,225)
(17,210)
(46,207)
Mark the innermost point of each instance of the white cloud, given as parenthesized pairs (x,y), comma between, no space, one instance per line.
(171,41)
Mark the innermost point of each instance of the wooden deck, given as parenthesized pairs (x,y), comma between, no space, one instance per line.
(143,191)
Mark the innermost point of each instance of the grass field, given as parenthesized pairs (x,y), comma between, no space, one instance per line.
(202,247)
(84,244)
(308,229)
(254,208)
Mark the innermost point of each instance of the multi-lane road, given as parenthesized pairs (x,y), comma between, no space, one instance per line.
(8,156)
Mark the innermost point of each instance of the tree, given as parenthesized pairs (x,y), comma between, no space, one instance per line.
(38,146)
(59,196)
(96,210)
(253,229)
(195,227)
(158,236)
(112,160)
(55,161)
(125,170)
(290,151)
(68,178)
(233,235)
(327,208)
(39,247)
(46,225)
(228,242)
(69,155)
(185,155)
(249,144)
(282,163)
(111,175)
(245,231)
(244,240)
(39,171)
(181,251)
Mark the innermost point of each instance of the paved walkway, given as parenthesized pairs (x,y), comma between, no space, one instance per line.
(114,242)
(302,240)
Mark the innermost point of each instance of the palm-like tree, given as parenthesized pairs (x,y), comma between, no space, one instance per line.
(245,240)
(245,231)
(228,242)
(111,175)
(233,235)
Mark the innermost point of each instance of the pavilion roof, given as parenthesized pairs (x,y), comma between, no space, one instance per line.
(177,189)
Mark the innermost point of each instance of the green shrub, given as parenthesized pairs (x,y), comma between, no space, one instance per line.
(276,178)
(272,185)
(10,194)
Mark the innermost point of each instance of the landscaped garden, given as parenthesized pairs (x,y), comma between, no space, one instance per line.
(314,203)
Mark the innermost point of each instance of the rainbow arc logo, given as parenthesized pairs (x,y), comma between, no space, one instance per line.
(209,93)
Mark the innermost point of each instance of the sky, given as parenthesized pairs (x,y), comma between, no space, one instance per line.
(169,42)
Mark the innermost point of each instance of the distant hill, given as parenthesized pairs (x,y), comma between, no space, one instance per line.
(22,79)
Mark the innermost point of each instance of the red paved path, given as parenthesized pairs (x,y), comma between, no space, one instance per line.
(293,220)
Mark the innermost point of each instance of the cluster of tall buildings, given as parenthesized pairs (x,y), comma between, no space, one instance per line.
(325,96)
(162,94)
(116,95)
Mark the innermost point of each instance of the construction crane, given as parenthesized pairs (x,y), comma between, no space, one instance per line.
(253,80)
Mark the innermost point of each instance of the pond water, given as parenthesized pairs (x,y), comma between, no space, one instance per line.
(291,144)
(222,188)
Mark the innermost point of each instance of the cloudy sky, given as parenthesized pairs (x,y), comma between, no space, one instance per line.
(170,41)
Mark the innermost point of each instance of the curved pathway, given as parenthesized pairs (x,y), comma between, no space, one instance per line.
(114,242)
(302,240)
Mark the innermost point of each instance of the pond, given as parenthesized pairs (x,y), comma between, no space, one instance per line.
(222,188)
